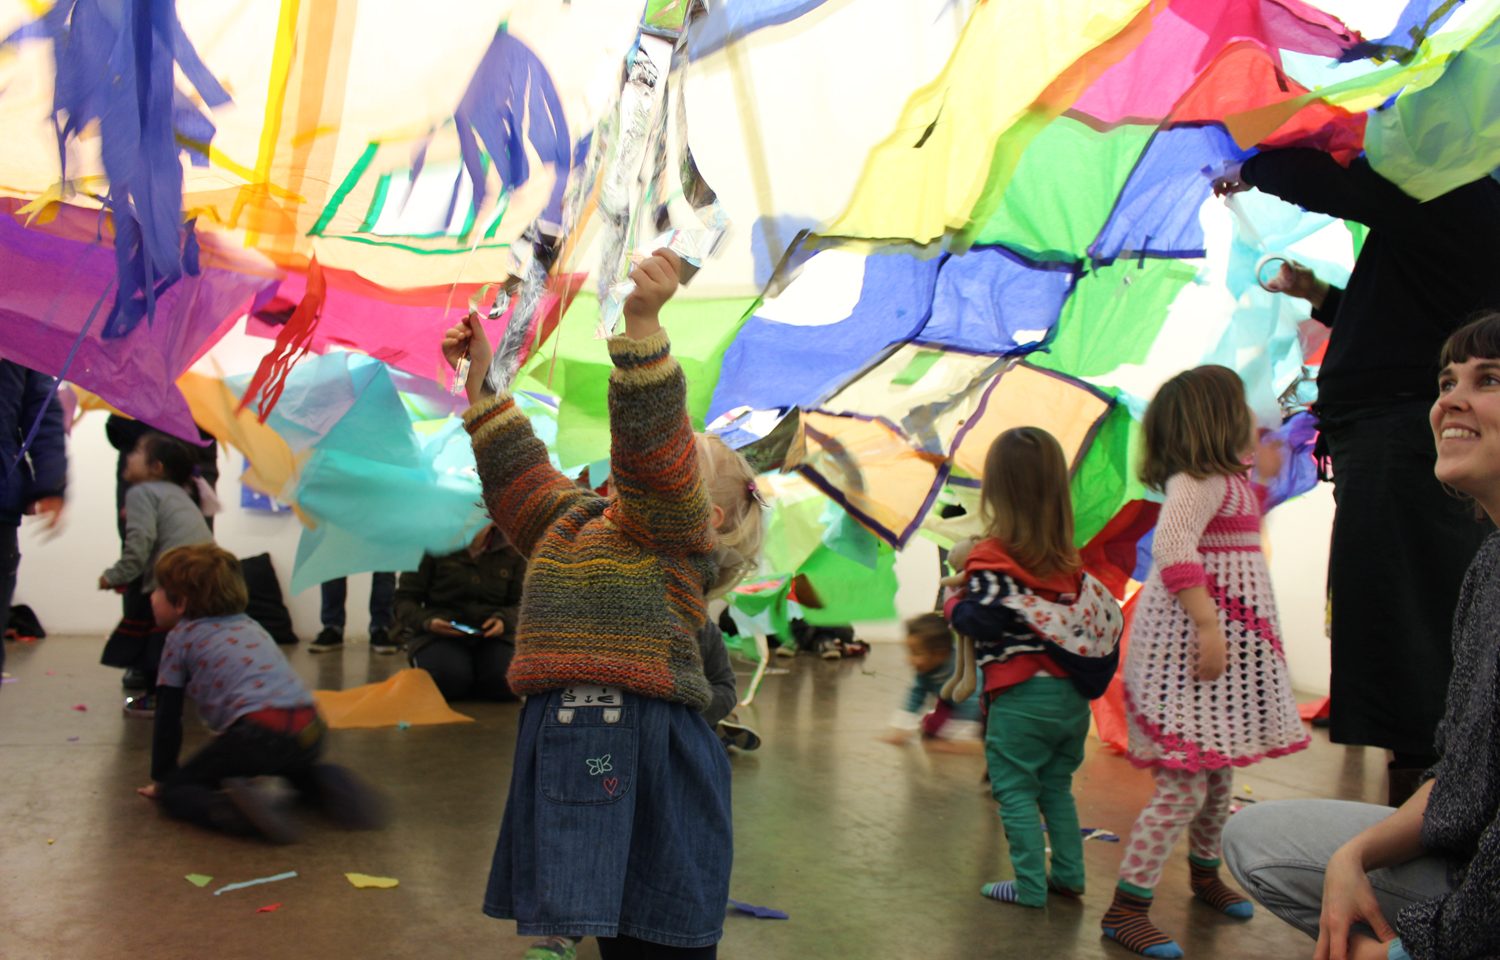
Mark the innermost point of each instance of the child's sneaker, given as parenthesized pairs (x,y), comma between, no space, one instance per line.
(737,735)
(328,639)
(381,642)
(828,649)
(553,948)
(786,650)
(143,706)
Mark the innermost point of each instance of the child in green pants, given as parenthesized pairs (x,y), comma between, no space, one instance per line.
(1043,636)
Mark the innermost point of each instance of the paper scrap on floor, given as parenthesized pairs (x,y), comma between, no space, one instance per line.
(409,697)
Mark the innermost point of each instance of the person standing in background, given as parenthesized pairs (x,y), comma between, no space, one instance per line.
(1400,543)
(124,433)
(382,605)
(34,477)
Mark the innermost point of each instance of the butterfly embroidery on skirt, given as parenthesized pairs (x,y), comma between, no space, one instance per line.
(599,766)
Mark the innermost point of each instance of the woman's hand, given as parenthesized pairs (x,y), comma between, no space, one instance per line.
(468,339)
(1348,898)
(439,627)
(104,584)
(655,280)
(1211,652)
(493,627)
(1228,181)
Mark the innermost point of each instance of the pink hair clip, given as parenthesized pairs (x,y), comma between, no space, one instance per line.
(755,494)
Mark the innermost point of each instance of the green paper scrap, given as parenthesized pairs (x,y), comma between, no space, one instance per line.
(917,368)
(256,882)
(199,879)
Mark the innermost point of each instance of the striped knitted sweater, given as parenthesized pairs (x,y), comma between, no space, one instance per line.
(614,588)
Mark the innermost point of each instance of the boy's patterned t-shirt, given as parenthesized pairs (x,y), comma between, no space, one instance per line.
(229,666)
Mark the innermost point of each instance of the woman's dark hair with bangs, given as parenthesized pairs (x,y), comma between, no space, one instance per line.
(1477,339)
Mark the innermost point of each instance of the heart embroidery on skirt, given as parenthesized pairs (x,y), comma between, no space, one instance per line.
(611,784)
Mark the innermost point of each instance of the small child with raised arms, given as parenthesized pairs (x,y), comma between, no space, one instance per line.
(617,825)
(265,719)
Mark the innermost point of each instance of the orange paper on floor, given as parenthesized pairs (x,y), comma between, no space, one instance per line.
(409,697)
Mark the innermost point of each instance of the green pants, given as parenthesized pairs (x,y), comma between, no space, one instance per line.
(1033,742)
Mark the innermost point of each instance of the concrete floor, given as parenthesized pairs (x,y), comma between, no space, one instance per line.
(875,851)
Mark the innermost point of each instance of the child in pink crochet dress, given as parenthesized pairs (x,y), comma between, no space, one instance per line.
(1206,684)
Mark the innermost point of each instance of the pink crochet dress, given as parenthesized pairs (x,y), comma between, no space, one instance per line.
(1208,535)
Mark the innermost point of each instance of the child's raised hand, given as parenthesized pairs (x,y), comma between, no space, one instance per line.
(655,280)
(1270,455)
(148,791)
(1212,651)
(468,339)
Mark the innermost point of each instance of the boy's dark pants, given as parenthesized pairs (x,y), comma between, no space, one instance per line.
(247,749)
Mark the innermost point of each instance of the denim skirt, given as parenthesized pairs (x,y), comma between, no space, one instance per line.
(617,823)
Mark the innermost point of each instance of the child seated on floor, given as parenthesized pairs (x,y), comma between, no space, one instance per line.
(929,650)
(266,720)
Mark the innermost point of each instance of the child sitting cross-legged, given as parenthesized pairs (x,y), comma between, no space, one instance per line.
(266,720)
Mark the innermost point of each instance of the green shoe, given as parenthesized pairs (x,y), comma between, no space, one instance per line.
(553,948)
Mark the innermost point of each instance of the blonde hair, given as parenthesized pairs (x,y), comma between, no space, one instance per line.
(729,480)
(207,577)
(1198,424)
(1025,504)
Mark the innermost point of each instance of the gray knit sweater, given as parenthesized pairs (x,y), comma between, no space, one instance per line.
(1462,822)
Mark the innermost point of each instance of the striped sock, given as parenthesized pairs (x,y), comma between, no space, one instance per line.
(1127,923)
(1211,890)
(1005,891)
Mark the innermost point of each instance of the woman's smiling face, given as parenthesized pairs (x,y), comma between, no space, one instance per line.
(1466,428)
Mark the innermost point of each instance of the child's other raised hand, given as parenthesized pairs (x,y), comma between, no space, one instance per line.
(655,280)
(148,791)
(468,339)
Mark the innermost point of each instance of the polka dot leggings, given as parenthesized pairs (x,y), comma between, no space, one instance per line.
(1198,800)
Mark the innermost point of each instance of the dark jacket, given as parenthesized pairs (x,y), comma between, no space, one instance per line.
(461,588)
(1462,820)
(719,673)
(43,473)
(1424,269)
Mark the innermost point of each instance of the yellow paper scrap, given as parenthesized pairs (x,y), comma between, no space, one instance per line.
(363,880)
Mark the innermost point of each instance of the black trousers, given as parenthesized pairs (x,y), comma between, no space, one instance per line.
(1401,545)
(466,669)
(192,792)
